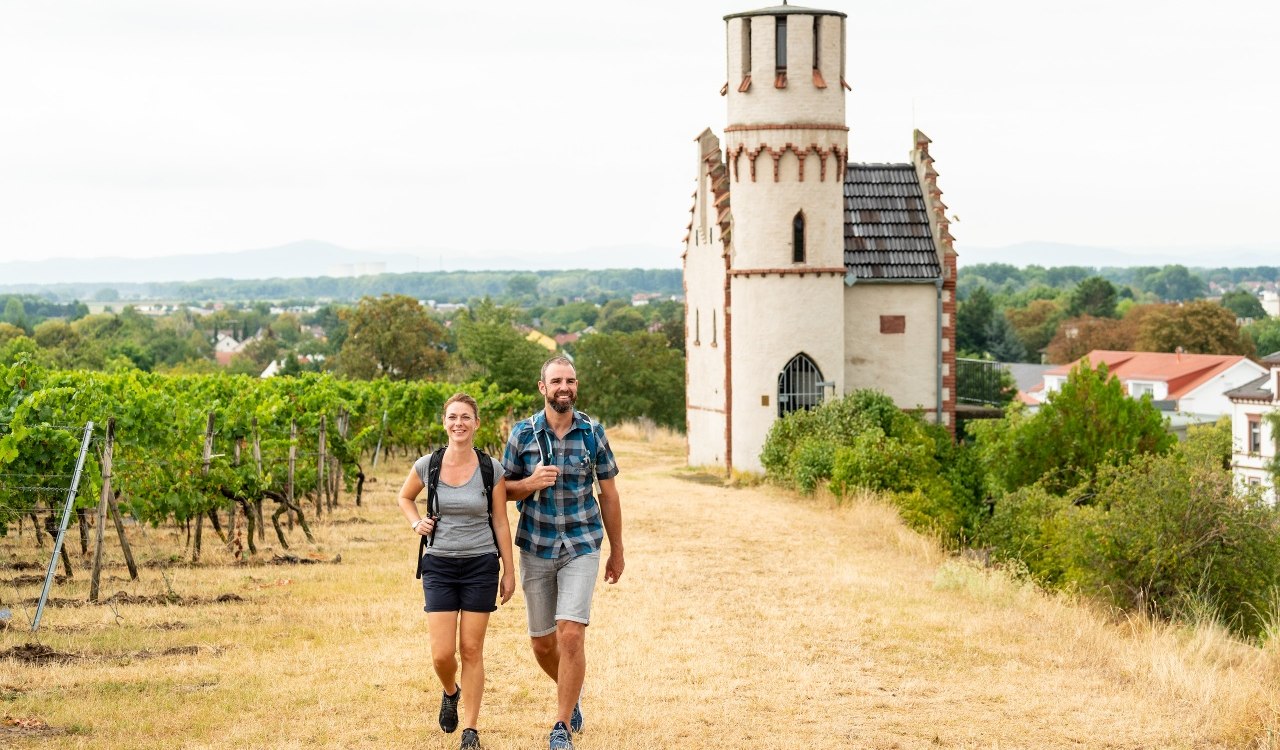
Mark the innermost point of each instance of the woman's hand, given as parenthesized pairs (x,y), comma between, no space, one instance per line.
(507,586)
(425,526)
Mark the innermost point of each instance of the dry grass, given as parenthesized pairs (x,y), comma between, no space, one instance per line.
(747,617)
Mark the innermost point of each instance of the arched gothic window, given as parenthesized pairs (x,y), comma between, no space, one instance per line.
(797,238)
(799,385)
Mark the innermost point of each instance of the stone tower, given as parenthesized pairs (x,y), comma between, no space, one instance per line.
(806,277)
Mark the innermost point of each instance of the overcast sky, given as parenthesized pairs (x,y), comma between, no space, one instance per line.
(153,127)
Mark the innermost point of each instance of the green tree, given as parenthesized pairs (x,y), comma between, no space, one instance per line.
(1094,296)
(570,317)
(15,313)
(1077,337)
(1086,424)
(393,337)
(972,319)
(8,332)
(1199,327)
(622,320)
(631,375)
(1002,340)
(1035,324)
(1244,304)
(487,337)
(1175,284)
(1265,334)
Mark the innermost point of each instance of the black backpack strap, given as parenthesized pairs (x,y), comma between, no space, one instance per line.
(486,477)
(433,504)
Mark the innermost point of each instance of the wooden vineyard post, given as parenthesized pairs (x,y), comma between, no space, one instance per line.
(257,461)
(232,518)
(124,540)
(288,505)
(208,459)
(96,575)
(293,460)
(381,432)
(321,471)
(343,419)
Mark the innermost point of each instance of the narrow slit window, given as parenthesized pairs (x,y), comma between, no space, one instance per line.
(697,327)
(817,40)
(780,44)
(797,238)
(746,46)
(713,327)
(780,52)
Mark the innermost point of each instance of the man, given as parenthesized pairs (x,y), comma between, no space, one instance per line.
(550,462)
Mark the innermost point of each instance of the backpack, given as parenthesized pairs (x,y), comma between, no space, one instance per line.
(433,500)
(590,444)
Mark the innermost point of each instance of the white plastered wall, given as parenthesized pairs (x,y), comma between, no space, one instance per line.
(704,275)
(1209,397)
(775,318)
(902,365)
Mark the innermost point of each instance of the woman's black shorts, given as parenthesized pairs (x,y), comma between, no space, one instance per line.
(450,584)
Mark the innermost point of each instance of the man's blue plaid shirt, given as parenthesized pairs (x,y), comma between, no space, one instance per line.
(565,514)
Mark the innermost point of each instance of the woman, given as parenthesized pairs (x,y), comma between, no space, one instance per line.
(460,577)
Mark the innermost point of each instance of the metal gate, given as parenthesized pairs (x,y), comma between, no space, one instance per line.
(800,385)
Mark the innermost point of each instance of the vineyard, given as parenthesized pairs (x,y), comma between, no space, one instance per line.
(184,450)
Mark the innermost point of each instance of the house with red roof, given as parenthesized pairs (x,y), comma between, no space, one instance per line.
(1194,385)
(1253,436)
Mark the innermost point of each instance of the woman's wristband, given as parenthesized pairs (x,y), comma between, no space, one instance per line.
(417,523)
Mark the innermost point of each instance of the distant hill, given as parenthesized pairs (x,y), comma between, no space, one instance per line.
(1052,254)
(440,286)
(312,258)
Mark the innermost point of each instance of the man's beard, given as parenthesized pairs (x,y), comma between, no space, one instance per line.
(561,407)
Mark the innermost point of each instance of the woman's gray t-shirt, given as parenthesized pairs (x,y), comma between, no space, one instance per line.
(463,529)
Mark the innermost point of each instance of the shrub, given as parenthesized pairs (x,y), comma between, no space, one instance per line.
(865,441)
(1173,532)
(811,463)
(1030,525)
(1166,534)
(1086,425)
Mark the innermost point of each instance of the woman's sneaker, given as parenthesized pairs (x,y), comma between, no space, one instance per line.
(470,739)
(449,710)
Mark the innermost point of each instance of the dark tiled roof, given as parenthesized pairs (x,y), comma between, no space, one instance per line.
(1254,390)
(886,226)
(785,10)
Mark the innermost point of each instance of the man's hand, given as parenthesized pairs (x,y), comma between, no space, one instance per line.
(613,566)
(543,477)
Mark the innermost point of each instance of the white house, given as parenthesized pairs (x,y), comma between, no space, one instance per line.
(1187,384)
(807,276)
(226,347)
(1253,436)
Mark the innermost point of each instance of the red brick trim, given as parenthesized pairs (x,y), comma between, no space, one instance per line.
(786,126)
(796,271)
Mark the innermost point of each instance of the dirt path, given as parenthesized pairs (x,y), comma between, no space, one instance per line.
(758,619)
(747,618)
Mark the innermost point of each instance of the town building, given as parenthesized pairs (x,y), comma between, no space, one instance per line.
(1255,406)
(807,275)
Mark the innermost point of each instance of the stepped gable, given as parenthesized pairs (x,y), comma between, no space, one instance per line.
(886,224)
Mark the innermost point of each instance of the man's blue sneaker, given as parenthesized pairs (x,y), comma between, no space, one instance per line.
(449,709)
(560,737)
(575,721)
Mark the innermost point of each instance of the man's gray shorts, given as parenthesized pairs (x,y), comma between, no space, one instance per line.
(559,589)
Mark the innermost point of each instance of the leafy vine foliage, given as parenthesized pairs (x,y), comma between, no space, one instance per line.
(160,472)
